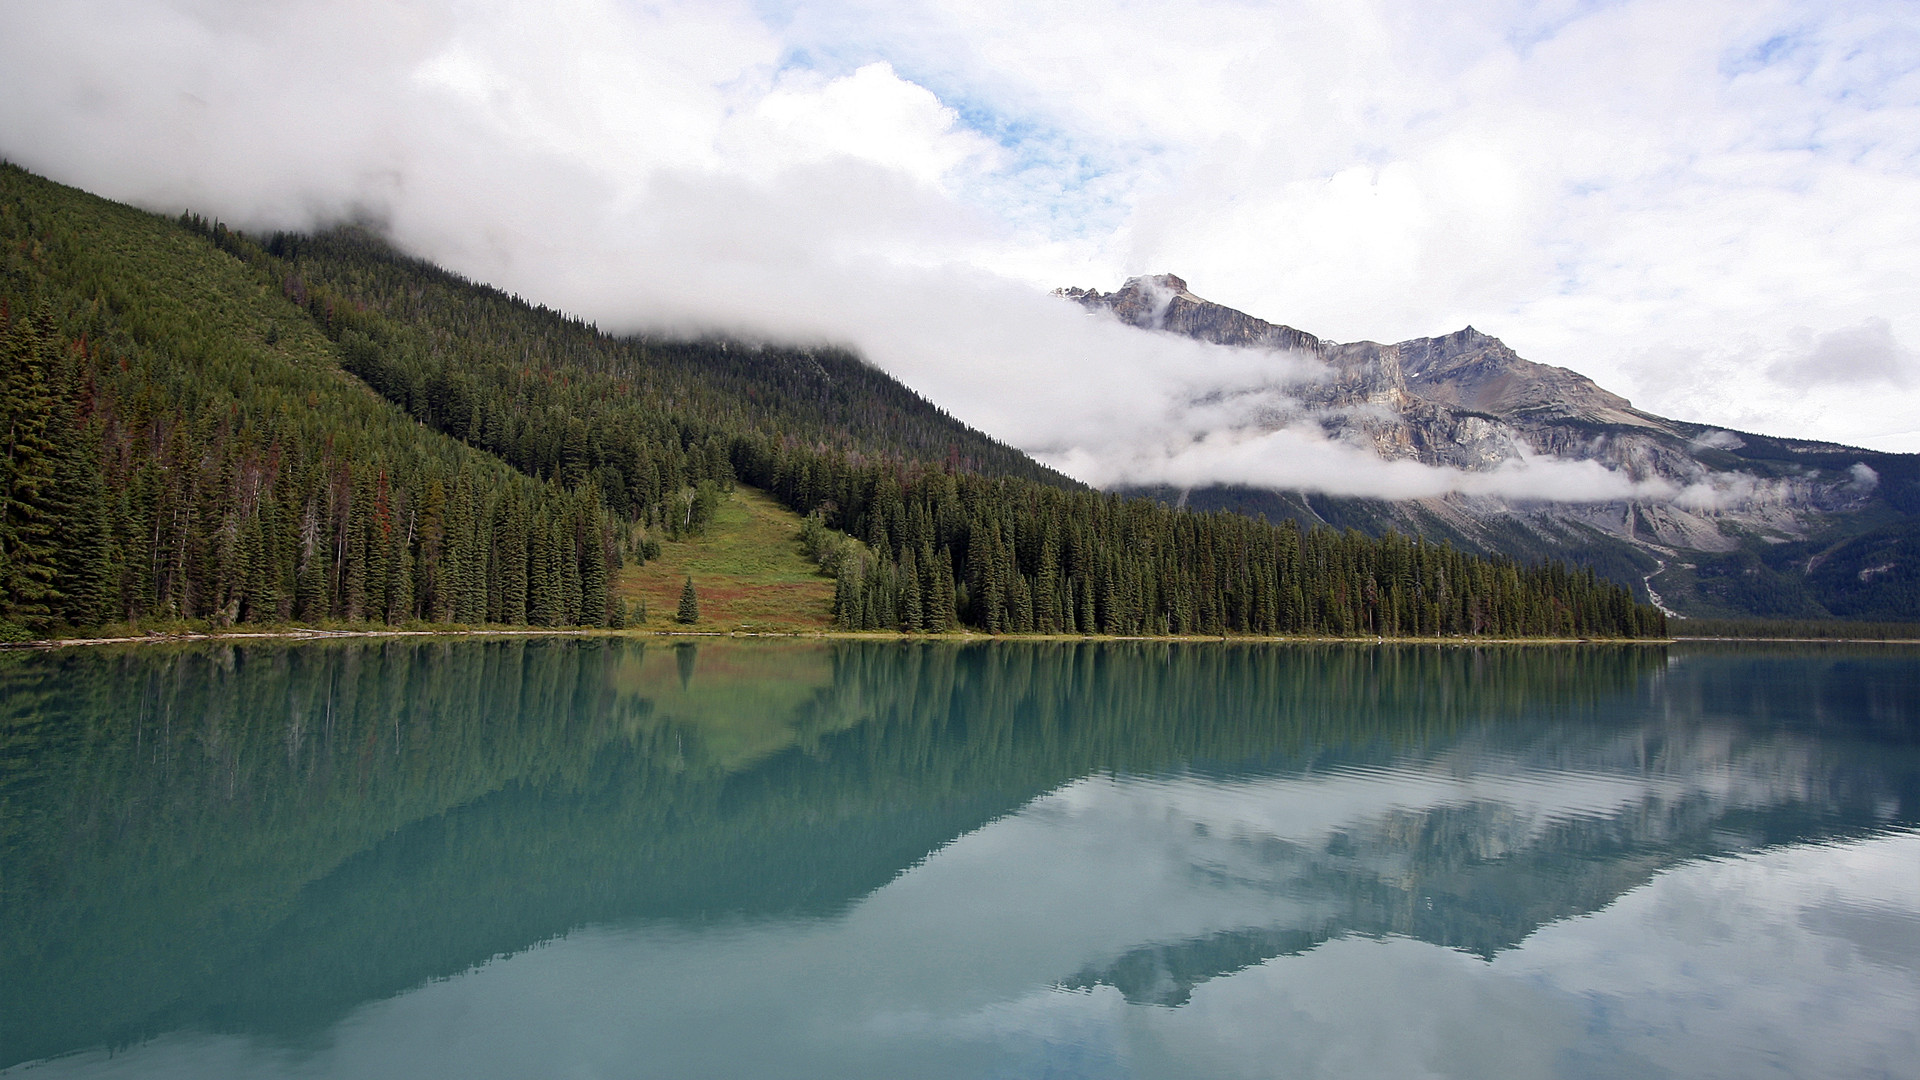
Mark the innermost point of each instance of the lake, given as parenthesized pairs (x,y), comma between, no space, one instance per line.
(553,857)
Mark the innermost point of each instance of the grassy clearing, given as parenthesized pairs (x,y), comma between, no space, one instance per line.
(748,572)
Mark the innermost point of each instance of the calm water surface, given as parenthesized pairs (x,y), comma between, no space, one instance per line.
(558,858)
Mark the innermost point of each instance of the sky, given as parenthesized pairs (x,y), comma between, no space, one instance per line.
(1712,208)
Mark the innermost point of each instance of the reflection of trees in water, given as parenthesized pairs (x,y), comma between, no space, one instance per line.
(685,654)
(259,838)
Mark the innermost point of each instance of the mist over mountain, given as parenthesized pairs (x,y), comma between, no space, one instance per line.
(1460,437)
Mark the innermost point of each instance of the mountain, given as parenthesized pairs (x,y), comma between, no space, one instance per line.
(1723,523)
(205,428)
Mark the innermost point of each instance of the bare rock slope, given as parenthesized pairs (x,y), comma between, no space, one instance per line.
(1726,523)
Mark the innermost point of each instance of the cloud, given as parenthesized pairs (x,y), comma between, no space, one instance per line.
(1644,192)
(871,115)
(1261,437)
(1717,440)
(1863,355)
(1732,490)
(1298,458)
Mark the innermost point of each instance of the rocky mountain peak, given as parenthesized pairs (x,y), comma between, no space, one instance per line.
(1166,283)
(1477,372)
(1744,524)
(1163,302)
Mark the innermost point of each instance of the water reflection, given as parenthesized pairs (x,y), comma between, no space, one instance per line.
(852,858)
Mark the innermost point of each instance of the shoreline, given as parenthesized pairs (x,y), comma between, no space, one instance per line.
(318,634)
(969,636)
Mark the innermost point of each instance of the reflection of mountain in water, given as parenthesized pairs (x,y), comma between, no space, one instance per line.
(1583,815)
(1456,876)
(259,839)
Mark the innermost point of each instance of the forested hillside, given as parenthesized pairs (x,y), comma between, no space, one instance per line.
(203,426)
(622,412)
(182,444)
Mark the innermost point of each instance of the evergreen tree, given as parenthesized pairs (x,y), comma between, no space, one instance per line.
(354,559)
(543,577)
(912,618)
(29,543)
(400,591)
(846,594)
(310,602)
(689,611)
(511,560)
(943,605)
(597,607)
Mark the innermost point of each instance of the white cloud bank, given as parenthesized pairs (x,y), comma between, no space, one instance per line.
(1300,458)
(1664,197)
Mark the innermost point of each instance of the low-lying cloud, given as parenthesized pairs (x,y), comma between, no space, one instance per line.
(1300,459)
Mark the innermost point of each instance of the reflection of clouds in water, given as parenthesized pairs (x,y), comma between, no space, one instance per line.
(1309,807)
(1796,962)
(1041,1033)
(1737,968)
(1715,968)
(1361,1008)
(1880,935)
(1792,961)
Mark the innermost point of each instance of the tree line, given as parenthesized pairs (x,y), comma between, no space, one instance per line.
(941,549)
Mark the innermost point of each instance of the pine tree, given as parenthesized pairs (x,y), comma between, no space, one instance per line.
(511,560)
(911,616)
(400,592)
(29,544)
(572,592)
(310,589)
(596,607)
(543,577)
(359,524)
(379,551)
(489,565)
(689,611)
(89,568)
(944,604)
(846,593)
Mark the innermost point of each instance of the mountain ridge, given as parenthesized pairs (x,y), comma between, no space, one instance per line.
(1710,505)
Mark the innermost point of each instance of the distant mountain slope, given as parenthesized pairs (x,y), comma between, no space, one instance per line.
(1761,525)
(440,344)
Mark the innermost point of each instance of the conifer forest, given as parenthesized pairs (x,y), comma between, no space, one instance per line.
(210,427)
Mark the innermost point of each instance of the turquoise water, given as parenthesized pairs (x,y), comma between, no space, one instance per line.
(604,858)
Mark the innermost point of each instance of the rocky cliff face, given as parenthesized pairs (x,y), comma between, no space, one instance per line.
(1162,302)
(1732,523)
